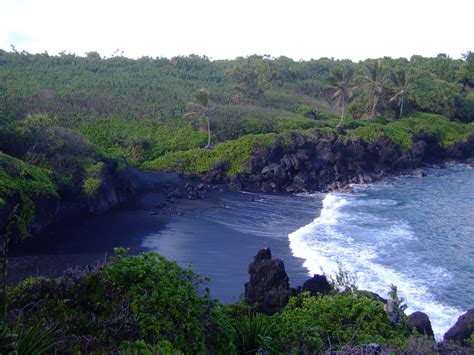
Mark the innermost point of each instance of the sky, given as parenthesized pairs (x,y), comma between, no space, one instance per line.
(225,29)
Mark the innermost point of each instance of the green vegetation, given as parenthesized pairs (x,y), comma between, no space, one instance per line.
(62,118)
(170,292)
(22,182)
(133,303)
(66,112)
(318,323)
(90,186)
(139,141)
(402,131)
(234,155)
(147,303)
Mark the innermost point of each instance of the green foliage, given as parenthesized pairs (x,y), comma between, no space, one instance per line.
(434,95)
(251,332)
(470,341)
(163,297)
(140,303)
(146,304)
(8,340)
(138,141)
(234,154)
(313,324)
(369,133)
(90,186)
(92,183)
(133,109)
(87,307)
(23,182)
(465,107)
(402,131)
(139,347)
(35,340)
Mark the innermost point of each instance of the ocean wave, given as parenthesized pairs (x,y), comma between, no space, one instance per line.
(375,250)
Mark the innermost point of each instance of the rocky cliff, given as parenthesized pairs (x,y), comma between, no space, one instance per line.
(324,161)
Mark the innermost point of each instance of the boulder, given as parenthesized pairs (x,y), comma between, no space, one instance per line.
(217,174)
(462,330)
(268,286)
(318,284)
(421,322)
(311,114)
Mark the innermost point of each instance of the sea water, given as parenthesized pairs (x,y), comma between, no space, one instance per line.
(415,233)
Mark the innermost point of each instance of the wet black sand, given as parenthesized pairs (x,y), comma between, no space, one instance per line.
(218,236)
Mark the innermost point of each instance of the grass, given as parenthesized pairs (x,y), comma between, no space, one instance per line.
(234,154)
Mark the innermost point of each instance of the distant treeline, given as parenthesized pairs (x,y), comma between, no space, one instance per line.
(73,89)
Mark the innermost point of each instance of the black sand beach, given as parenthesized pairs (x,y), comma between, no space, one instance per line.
(218,236)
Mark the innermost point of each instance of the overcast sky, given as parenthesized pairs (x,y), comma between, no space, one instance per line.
(300,29)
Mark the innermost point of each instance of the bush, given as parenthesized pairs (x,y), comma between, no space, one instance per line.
(139,141)
(313,324)
(163,297)
(90,186)
(233,153)
(143,303)
(402,131)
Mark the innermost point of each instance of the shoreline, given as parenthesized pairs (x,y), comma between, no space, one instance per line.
(153,204)
(186,231)
(192,232)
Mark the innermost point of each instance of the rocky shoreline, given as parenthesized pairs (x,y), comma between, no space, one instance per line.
(269,290)
(325,162)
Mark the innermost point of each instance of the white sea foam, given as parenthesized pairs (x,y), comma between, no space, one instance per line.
(375,250)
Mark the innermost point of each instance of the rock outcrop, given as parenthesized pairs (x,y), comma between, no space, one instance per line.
(462,330)
(318,284)
(421,322)
(325,161)
(115,187)
(268,286)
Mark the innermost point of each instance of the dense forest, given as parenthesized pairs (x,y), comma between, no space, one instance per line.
(69,124)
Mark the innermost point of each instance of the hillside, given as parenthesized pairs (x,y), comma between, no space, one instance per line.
(84,120)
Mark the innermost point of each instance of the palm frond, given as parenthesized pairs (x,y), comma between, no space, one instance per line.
(35,340)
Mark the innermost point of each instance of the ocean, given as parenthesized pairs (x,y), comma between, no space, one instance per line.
(415,233)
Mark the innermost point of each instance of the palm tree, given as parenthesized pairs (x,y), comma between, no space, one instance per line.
(201,108)
(374,81)
(341,81)
(402,82)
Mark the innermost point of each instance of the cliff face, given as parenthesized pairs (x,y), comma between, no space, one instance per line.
(115,187)
(326,162)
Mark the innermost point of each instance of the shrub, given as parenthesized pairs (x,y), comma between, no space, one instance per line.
(313,324)
(143,303)
(90,186)
(164,298)
(251,332)
(402,131)
(233,153)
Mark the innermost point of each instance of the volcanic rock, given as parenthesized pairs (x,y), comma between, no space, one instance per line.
(268,286)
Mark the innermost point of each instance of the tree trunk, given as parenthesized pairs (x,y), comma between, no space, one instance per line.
(401,107)
(374,106)
(342,112)
(208,132)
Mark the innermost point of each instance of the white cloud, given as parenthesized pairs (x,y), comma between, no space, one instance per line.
(300,29)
